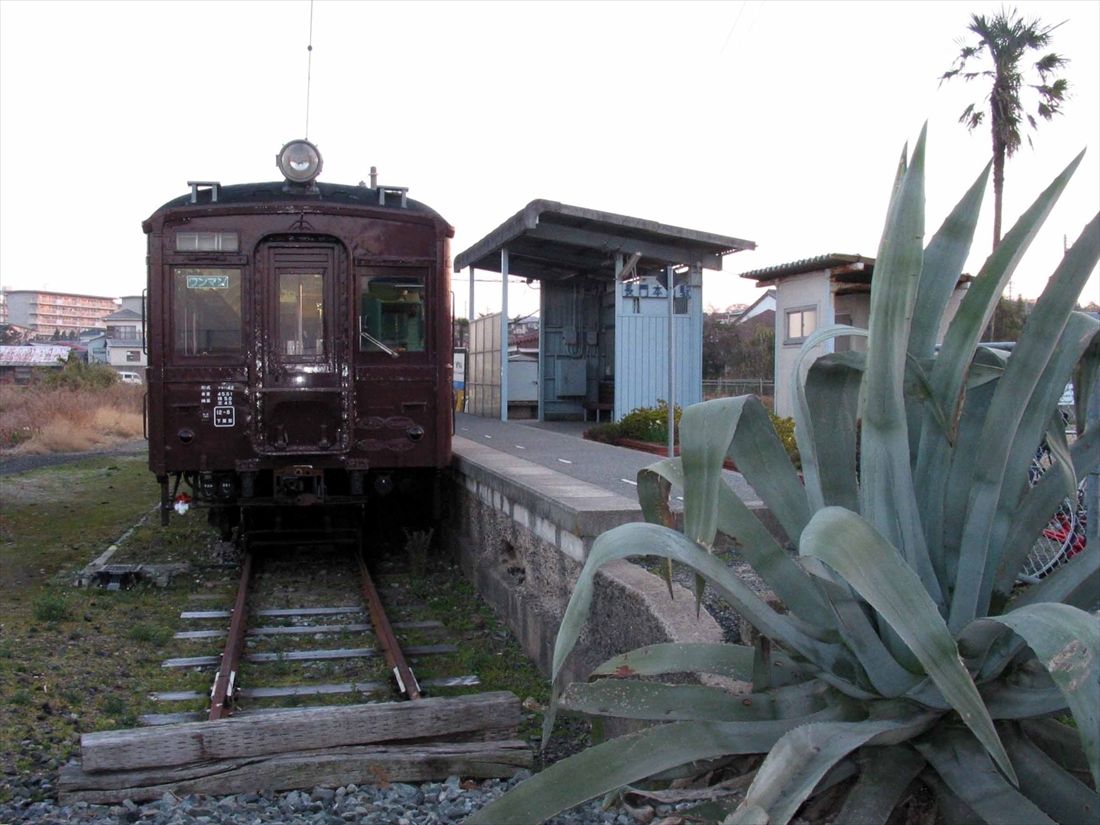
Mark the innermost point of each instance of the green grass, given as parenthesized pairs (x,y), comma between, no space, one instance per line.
(76,660)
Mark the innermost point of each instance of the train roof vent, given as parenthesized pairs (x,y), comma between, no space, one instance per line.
(197,185)
(402,191)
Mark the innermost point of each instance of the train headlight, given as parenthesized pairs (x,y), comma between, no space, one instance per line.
(299,161)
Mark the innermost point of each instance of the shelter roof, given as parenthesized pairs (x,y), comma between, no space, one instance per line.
(551,240)
(857,268)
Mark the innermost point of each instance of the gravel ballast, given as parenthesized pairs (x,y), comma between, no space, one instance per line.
(433,803)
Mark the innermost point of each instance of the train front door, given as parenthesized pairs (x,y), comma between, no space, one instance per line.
(303,397)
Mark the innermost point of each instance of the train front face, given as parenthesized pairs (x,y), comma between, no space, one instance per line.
(299,342)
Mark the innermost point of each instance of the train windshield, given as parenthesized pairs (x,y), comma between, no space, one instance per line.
(391,311)
(301,329)
(207,311)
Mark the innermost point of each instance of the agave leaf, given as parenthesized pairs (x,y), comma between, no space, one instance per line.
(1025,368)
(884,775)
(1084,384)
(1046,783)
(852,547)
(832,392)
(706,431)
(966,768)
(654,490)
(804,429)
(1002,700)
(978,304)
(889,678)
(1075,583)
(943,262)
(1036,508)
(740,428)
(632,699)
(771,561)
(628,759)
(1018,702)
(793,768)
(1059,741)
(1067,642)
(944,509)
(887,496)
(655,484)
(948,805)
(1041,409)
(748,815)
(650,539)
(732,661)
(941,270)
(949,373)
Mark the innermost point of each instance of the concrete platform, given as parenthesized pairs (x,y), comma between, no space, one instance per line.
(560,446)
(527,502)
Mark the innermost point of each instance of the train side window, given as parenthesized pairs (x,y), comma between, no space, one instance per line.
(391,310)
(301,331)
(206,311)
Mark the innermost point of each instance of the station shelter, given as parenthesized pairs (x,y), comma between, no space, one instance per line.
(621,310)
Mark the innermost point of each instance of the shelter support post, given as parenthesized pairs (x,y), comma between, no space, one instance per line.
(504,334)
(670,293)
(470,308)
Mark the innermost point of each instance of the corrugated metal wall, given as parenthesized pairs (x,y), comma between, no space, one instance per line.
(641,346)
(483,367)
(575,331)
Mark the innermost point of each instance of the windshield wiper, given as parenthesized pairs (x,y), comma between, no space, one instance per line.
(370,338)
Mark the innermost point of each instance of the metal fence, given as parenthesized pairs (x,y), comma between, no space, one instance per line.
(726,387)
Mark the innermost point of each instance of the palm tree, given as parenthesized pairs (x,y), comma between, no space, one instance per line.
(1005,38)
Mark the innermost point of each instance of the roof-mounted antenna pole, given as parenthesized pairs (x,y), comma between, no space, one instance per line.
(309,65)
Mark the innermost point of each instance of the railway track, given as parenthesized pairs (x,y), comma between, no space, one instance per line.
(344,652)
(329,643)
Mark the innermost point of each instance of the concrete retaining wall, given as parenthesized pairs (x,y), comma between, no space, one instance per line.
(522,533)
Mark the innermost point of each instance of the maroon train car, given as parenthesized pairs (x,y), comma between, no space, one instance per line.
(299,344)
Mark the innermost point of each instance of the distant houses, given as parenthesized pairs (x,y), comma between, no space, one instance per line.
(103,330)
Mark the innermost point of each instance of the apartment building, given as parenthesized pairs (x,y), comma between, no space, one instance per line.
(48,312)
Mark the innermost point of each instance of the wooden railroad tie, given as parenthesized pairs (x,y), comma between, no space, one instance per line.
(429,739)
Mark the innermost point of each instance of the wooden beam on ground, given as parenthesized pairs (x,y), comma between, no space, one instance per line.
(300,730)
(370,765)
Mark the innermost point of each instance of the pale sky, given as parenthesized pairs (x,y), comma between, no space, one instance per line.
(777,122)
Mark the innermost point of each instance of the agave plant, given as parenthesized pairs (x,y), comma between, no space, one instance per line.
(907,651)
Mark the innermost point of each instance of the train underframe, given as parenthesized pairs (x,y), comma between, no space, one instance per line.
(301,500)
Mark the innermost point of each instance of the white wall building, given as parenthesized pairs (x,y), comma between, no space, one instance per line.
(819,292)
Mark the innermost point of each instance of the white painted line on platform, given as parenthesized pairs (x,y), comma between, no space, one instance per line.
(520,447)
(486,435)
(565,461)
(628,481)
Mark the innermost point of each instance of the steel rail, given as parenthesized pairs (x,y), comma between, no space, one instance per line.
(225,680)
(406,682)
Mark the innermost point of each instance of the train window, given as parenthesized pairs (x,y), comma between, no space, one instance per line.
(206,241)
(301,329)
(207,310)
(391,311)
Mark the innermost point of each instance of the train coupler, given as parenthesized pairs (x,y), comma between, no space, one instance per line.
(301,485)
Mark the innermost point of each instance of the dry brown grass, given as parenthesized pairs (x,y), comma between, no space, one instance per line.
(38,420)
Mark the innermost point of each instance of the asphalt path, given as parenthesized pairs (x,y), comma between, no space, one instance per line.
(559,446)
(14,463)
